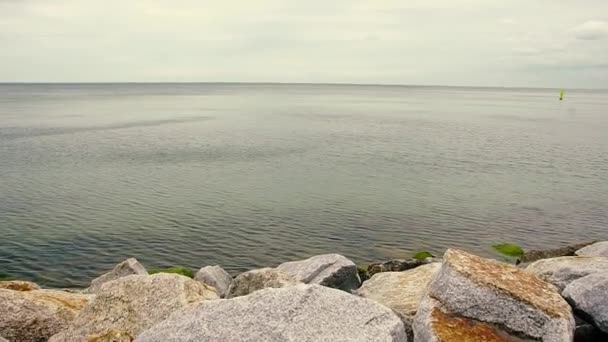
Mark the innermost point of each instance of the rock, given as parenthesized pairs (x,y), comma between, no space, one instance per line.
(563,270)
(38,314)
(2,339)
(132,304)
(128,267)
(111,336)
(400,291)
(296,313)
(251,281)
(332,270)
(434,324)
(586,332)
(471,289)
(215,276)
(569,250)
(396,266)
(589,298)
(598,249)
(19,285)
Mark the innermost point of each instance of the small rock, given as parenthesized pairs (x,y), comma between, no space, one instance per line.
(38,314)
(495,293)
(215,276)
(400,291)
(296,313)
(534,255)
(254,280)
(598,249)
(132,304)
(396,265)
(111,336)
(563,270)
(589,297)
(332,270)
(128,267)
(19,285)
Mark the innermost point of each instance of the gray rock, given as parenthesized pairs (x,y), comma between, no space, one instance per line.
(2,339)
(564,270)
(215,276)
(396,265)
(38,314)
(132,304)
(128,267)
(254,280)
(598,249)
(400,291)
(497,293)
(296,313)
(586,332)
(332,270)
(570,250)
(589,297)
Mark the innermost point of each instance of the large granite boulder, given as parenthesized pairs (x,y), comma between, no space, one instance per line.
(38,314)
(332,270)
(128,267)
(469,290)
(296,313)
(400,291)
(132,304)
(19,285)
(254,280)
(589,298)
(215,276)
(598,249)
(564,270)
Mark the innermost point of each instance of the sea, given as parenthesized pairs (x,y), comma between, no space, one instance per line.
(253,175)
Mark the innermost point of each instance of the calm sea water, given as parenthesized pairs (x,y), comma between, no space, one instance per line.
(253,175)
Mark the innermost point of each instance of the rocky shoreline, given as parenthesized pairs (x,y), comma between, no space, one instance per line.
(557,295)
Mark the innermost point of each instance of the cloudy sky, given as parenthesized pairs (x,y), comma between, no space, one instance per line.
(537,43)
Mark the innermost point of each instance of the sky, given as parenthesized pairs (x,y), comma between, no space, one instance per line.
(506,43)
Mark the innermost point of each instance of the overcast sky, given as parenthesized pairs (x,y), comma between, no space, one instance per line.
(537,43)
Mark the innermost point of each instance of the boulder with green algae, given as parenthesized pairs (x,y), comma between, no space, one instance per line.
(174,270)
(496,298)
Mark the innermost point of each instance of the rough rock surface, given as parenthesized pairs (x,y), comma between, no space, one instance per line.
(19,285)
(589,297)
(37,315)
(128,267)
(434,324)
(254,280)
(400,291)
(564,270)
(215,276)
(570,250)
(500,294)
(2,339)
(296,313)
(396,265)
(599,249)
(111,336)
(132,304)
(332,270)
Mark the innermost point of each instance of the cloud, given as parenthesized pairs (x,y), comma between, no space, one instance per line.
(591,30)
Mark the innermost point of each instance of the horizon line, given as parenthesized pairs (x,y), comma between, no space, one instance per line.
(283,83)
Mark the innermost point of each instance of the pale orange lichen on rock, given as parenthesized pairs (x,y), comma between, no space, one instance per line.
(509,279)
(111,336)
(67,300)
(449,328)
